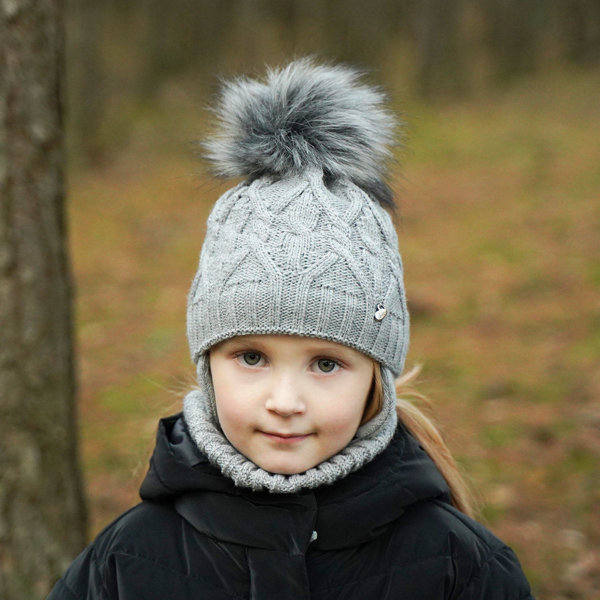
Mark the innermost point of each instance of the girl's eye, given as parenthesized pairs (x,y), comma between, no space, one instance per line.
(251,358)
(326,365)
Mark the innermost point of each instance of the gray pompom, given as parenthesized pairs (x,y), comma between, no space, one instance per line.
(302,116)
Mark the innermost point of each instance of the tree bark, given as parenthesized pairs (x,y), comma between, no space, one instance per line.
(42,513)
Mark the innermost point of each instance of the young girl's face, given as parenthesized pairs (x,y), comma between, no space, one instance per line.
(286,402)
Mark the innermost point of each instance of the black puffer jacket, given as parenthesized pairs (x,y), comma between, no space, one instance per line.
(385,532)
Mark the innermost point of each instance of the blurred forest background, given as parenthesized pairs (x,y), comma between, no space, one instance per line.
(499,189)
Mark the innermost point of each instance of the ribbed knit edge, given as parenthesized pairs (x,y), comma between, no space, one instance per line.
(370,440)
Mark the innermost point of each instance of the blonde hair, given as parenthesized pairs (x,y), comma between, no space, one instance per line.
(425,432)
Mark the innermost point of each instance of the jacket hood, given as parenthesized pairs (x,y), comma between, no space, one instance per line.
(353,510)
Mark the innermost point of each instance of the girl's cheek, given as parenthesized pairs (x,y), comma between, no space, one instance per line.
(342,422)
(230,407)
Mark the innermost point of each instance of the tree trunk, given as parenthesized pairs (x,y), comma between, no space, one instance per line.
(513,34)
(580,21)
(42,513)
(440,65)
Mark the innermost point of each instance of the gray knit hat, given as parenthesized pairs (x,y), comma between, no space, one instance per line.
(302,247)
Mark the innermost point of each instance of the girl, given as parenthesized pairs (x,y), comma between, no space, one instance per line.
(292,473)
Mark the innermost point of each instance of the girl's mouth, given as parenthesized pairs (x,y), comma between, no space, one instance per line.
(285,438)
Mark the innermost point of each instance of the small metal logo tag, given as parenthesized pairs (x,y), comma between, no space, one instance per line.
(380,312)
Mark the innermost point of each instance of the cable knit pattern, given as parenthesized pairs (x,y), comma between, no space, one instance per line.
(296,256)
(371,439)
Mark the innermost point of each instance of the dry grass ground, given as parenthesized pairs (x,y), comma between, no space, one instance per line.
(500,204)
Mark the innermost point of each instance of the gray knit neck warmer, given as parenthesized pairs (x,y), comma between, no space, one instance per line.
(302,247)
(370,439)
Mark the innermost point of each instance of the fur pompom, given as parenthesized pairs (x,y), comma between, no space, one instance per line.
(302,116)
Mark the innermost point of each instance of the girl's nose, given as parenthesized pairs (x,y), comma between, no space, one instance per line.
(285,398)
